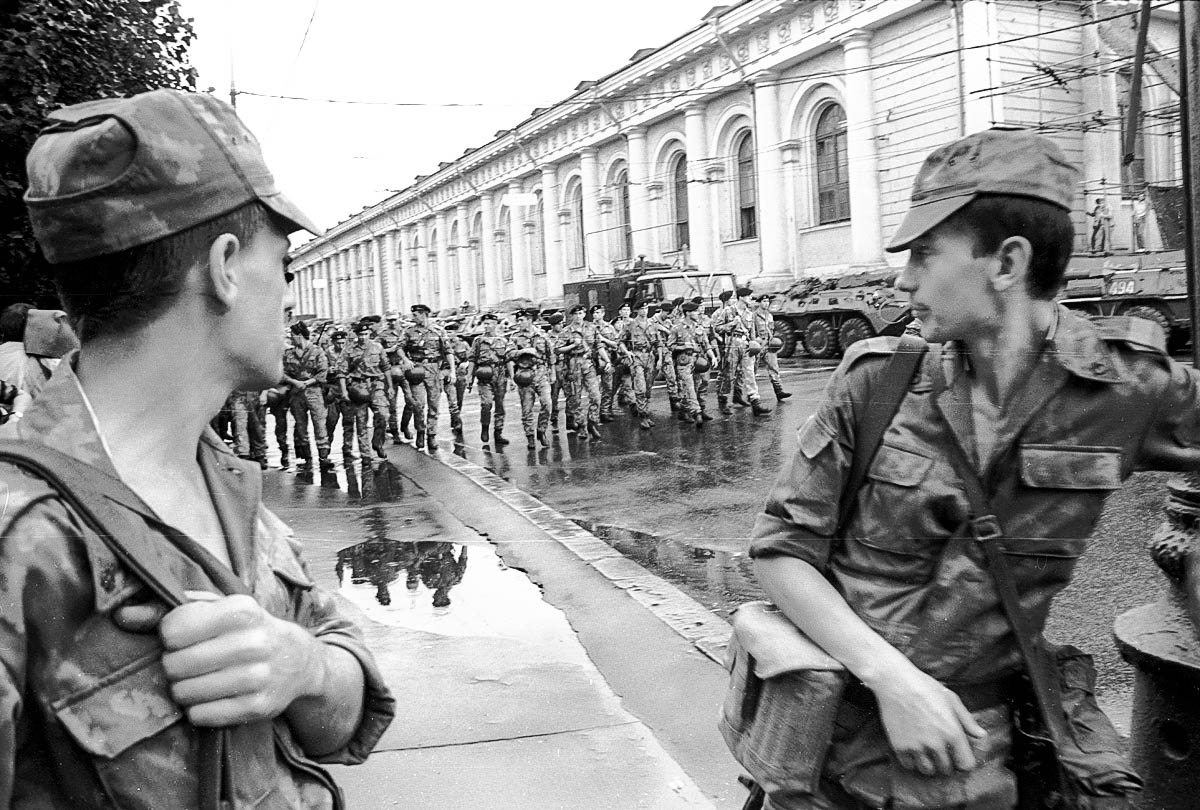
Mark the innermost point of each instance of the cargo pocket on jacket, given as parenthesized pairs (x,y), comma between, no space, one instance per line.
(129,705)
(894,515)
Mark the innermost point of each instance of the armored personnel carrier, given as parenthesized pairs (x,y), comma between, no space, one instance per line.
(1140,285)
(825,316)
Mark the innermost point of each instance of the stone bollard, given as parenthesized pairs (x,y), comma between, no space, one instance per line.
(1161,644)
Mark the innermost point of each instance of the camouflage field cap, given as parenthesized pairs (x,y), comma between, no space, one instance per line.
(115,173)
(1001,160)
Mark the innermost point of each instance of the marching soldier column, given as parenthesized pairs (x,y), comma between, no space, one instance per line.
(377,382)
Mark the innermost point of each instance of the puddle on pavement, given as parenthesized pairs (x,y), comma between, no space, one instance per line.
(453,589)
(719,579)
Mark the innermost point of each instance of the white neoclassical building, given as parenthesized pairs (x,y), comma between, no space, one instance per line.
(774,139)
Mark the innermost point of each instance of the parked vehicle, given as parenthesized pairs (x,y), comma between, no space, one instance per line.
(824,316)
(648,281)
(1140,285)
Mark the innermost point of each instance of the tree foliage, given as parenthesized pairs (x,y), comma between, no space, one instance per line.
(59,52)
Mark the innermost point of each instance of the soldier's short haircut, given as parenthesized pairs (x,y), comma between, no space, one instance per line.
(12,322)
(118,293)
(992,218)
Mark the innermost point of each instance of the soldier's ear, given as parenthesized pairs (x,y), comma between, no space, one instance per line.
(223,268)
(1010,271)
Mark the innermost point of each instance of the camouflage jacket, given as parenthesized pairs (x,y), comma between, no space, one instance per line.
(1103,401)
(309,363)
(367,362)
(640,335)
(490,350)
(734,321)
(535,339)
(688,334)
(86,717)
(427,344)
(339,363)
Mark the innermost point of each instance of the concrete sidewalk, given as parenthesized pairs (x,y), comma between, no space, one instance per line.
(564,694)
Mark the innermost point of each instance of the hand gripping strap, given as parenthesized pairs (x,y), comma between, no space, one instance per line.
(110,509)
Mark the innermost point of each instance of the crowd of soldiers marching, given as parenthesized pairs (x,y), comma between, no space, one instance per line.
(382,377)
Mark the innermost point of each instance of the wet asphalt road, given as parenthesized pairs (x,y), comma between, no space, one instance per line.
(682,502)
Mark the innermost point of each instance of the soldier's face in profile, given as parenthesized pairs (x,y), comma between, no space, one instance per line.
(949,287)
(259,317)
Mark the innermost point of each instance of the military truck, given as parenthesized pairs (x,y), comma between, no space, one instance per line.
(1141,285)
(648,281)
(824,316)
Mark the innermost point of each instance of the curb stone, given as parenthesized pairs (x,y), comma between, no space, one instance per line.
(706,631)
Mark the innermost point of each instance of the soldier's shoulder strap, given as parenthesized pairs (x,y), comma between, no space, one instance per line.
(870,347)
(1139,334)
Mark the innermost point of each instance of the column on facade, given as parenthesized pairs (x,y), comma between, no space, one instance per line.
(387,272)
(550,231)
(445,282)
(421,282)
(866,239)
(981,107)
(519,240)
(639,195)
(466,276)
(700,222)
(594,238)
(377,303)
(487,235)
(356,280)
(408,276)
(770,208)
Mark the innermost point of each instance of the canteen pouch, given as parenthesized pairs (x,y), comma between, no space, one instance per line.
(1092,756)
(782,701)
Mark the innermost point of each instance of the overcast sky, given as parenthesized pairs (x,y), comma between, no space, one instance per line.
(505,57)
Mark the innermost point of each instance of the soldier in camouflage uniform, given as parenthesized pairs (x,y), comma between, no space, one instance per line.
(737,325)
(337,400)
(368,366)
(607,353)
(390,337)
(462,353)
(663,321)
(560,387)
(578,346)
(427,348)
(249,432)
(304,368)
(104,686)
(640,339)
(491,351)
(687,341)
(765,323)
(622,376)
(533,356)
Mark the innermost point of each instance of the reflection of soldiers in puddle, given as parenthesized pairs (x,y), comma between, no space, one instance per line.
(440,571)
(379,562)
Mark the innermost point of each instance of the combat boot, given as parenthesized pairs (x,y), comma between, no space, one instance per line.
(543,438)
(645,424)
(456,422)
(738,399)
(283,461)
(723,405)
(499,438)
(698,418)
(593,432)
(485,419)
(780,394)
(420,441)
(431,443)
(530,442)
(758,408)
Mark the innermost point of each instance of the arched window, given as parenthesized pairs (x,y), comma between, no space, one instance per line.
(506,245)
(747,189)
(679,201)
(833,182)
(624,230)
(578,240)
(537,251)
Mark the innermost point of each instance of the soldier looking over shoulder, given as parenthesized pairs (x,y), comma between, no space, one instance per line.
(168,239)
(1041,411)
